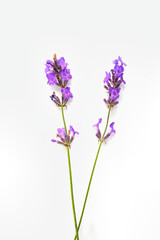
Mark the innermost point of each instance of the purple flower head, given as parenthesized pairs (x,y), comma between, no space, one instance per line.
(57,72)
(61,62)
(65,140)
(66,92)
(111,131)
(113,82)
(98,133)
(108,76)
(65,74)
(114,93)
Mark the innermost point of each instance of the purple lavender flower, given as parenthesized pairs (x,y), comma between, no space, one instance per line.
(50,74)
(57,72)
(113,81)
(73,131)
(61,132)
(111,131)
(65,74)
(114,93)
(66,92)
(122,63)
(65,140)
(108,76)
(119,67)
(98,133)
(51,78)
(61,62)
(66,95)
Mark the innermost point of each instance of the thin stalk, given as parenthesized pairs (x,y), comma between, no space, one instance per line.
(70,177)
(94,165)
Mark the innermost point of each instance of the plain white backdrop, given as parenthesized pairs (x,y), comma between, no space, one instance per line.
(124,202)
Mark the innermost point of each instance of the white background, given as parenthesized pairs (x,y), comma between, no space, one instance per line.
(124,202)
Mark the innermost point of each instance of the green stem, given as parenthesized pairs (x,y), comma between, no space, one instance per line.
(70,177)
(94,165)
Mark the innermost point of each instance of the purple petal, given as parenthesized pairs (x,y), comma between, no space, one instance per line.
(61,132)
(66,92)
(108,76)
(51,78)
(97,124)
(72,130)
(112,129)
(61,62)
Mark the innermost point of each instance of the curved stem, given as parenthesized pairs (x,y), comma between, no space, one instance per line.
(70,177)
(94,165)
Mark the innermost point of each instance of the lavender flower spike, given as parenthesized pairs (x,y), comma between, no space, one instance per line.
(98,134)
(111,131)
(113,82)
(57,72)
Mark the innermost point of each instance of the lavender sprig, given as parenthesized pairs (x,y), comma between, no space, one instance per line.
(58,74)
(113,81)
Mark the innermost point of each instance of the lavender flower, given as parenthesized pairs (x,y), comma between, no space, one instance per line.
(57,72)
(65,74)
(66,95)
(65,140)
(98,134)
(108,77)
(114,93)
(113,81)
(111,131)
(61,62)
(66,92)
(50,74)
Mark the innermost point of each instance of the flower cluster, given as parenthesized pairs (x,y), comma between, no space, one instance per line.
(113,81)
(98,133)
(58,74)
(65,140)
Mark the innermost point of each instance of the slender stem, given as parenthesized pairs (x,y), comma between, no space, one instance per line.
(94,165)
(70,177)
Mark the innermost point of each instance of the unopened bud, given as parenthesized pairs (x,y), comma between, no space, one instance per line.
(54,56)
